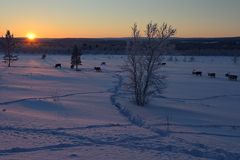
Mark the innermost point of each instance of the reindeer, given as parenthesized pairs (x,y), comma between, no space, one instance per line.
(44,56)
(197,73)
(194,72)
(212,75)
(103,63)
(98,69)
(231,77)
(58,65)
(227,74)
(164,64)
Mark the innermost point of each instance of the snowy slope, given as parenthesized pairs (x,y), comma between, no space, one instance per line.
(63,114)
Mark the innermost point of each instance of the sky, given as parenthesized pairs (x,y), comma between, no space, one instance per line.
(114,18)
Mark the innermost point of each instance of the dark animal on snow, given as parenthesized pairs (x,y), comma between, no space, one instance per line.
(44,56)
(164,64)
(194,72)
(197,73)
(59,65)
(103,63)
(232,77)
(98,69)
(212,75)
(227,74)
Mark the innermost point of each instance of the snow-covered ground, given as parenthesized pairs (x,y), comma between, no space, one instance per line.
(53,114)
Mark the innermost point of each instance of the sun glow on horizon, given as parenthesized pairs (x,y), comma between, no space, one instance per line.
(31,36)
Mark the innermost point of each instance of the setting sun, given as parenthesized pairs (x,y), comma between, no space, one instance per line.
(31,36)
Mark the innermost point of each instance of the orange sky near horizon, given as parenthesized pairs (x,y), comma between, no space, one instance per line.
(114,18)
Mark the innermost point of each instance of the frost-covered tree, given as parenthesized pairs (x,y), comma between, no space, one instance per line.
(76,57)
(8,45)
(144,56)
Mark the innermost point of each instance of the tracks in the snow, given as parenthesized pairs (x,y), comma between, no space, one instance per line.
(150,143)
(197,152)
(51,97)
(136,120)
(125,140)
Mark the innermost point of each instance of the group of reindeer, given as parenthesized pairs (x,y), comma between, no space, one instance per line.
(97,69)
(230,76)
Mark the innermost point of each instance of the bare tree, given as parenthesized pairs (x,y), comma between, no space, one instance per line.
(8,45)
(144,56)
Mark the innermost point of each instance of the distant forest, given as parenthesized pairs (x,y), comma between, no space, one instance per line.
(178,46)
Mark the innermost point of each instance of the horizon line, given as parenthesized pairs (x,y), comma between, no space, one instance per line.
(217,37)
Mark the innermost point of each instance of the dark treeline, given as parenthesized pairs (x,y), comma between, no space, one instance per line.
(208,46)
(179,46)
